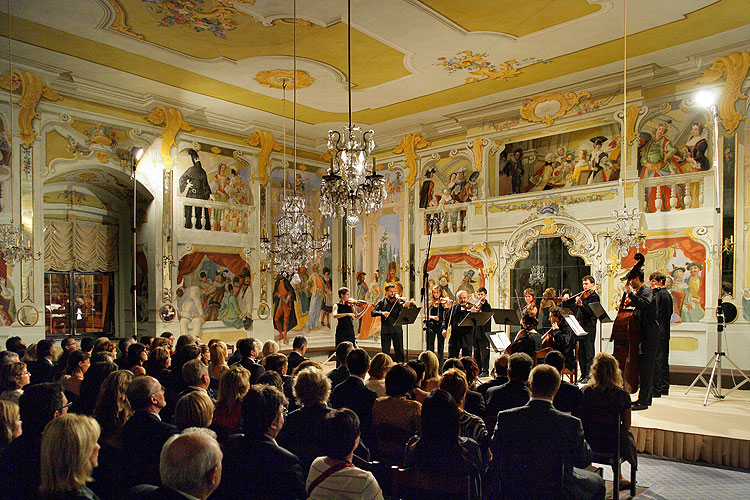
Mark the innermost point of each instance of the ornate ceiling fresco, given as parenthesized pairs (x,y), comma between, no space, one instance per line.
(227,57)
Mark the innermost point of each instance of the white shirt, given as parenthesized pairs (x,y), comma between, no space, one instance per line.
(349,483)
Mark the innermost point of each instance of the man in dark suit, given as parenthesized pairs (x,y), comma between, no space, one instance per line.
(248,352)
(190,467)
(253,462)
(462,337)
(481,341)
(515,392)
(539,426)
(587,319)
(341,372)
(642,298)
(124,345)
(664,310)
(195,375)
(42,369)
(19,463)
(388,309)
(144,434)
(297,356)
(353,394)
(569,397)
(500,374)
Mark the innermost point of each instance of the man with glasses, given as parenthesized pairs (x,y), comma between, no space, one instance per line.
(19,464)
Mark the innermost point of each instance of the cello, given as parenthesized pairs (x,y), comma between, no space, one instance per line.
(626,334)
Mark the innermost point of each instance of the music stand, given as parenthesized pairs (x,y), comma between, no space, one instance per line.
(602,316)
(407,317)
(506,317)
(476,318)
(575,326)
(499,341)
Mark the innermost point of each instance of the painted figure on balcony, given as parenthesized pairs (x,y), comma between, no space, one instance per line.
(517,170)
(659,159)
(505,174)
(194,182)
(581,168)
(541,179)
(428,186)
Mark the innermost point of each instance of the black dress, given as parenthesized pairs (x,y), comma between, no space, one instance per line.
(435,330)
(345,325)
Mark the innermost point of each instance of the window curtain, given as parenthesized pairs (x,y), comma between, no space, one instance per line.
(455,258)
(80,246)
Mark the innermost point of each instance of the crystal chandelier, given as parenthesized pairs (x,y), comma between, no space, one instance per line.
(347,190)
(627,232)
(12,247)
(294,244)
(537,275)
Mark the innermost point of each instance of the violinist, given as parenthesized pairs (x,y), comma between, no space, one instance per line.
(437,321)
(528,339)
(664,308)
(389,308)
(586,317)
(561,338)
(462,337)
(642,298)
(344,311)
(481,341)
(530,306)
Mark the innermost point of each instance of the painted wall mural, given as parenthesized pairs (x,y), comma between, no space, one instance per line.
(455,272)
(449,180)
(574,158)
(7,296)
(683,261)
(5,152)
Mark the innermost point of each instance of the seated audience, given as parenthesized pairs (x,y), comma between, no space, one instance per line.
(194,409)
(253,459)
(269,347)
(248,352)
(471,370)
(333,476)
(515,391)
(279,363)
(158,364)
(470,426)
(218,364)
(10,423)
(87,344)
(19,462)
(137,356)
(233,386)
(528,427)
(144,434)
(123,345)
(104,345)
(379,366)
(352,393)
(205,354)
(176,383)
(499,373)
(341,372)
(604,401)
(13,378)
(8,357)
(42,369)
(431,369)
(92,383)
(297,356)
(15,344)
(417,393)
(79,363)
(29,354)
(69,453)
(569,397)
(195,375)
(273,379)
(474,401)
(308,363)
(395,419)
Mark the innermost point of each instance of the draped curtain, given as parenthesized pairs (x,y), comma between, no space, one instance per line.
(80,246)
(232,261)
(455,258)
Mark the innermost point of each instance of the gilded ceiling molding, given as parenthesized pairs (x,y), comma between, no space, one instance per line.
(267,144)
(173,123)
(32,90)
(734,67)
(631,116)
(476,146)
(409,146)
(118,24)
(275,79)
(560,104)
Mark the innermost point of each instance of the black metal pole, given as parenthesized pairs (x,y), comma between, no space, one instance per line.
(425,276)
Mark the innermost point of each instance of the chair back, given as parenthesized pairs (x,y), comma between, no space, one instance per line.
(540,354)
(527,474)
(601,429)
(417,484)
(391,443)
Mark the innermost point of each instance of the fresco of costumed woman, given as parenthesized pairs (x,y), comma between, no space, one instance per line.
(369,325)
(317,298)
(692,310)
(229,312)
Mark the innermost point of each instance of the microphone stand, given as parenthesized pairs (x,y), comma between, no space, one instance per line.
(433,222)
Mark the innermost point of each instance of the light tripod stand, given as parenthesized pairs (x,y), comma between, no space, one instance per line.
(715,362)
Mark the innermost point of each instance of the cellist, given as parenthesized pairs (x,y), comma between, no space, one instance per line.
(561,338)
(642,299)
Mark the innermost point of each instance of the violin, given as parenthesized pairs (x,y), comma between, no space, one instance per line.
(356,302)
(398,299)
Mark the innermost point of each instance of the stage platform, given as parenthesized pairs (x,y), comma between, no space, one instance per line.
(679,426)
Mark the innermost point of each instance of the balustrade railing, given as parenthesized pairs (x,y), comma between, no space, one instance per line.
(453,218)
(205,215)
(674,192)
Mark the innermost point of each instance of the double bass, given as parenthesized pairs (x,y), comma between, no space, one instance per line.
(626,334)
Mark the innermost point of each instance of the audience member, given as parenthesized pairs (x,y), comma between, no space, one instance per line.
(352,393)
(194,409)
(341,372)
(474,401)
(470,426)
(19,463)
(233,386)
(69,453)
(176,383)
(158,364)
(297,356)
(236,356)
(431,370)
(15,344)
(144,434)
(42,369)
(10,423)
(251,459)
(92,382)
(104,345)
(499,373)
(13,378)
(195,375)
(279,363)
(77,366)
(308,363)
(269,347)
(379,366)
(528,427)
(218,364)
(333,476)
(205,354)
(273,379)
(29,354)
(122,360)
(418,394)
(471,371)
(515,391)
(569,397)
(137,356)
(182,341)
(7,357)
(87,344)
(394,418)
(248,353)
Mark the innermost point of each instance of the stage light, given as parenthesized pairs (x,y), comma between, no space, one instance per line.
(705,98)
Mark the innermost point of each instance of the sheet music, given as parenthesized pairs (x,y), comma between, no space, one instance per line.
(575,326)
(499,341)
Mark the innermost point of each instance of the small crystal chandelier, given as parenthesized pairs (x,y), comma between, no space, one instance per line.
(537,275)
(12,247)
(294,244)
(347,190)
(627,232)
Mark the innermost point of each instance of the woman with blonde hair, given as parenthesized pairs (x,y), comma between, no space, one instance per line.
(269,347)
(194,409)
(233,386)
(13,378)
(69,454)
(604,403)
(431,368)
(218,364)
(379,367)
(10,423)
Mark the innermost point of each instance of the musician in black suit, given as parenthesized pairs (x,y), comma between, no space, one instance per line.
(481,341)
(437,322)
(642,298)
(529,427)
(587,319)
(254,466)
(462,337)
(515,392)
(144,434)
(389,308)
(664,310)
